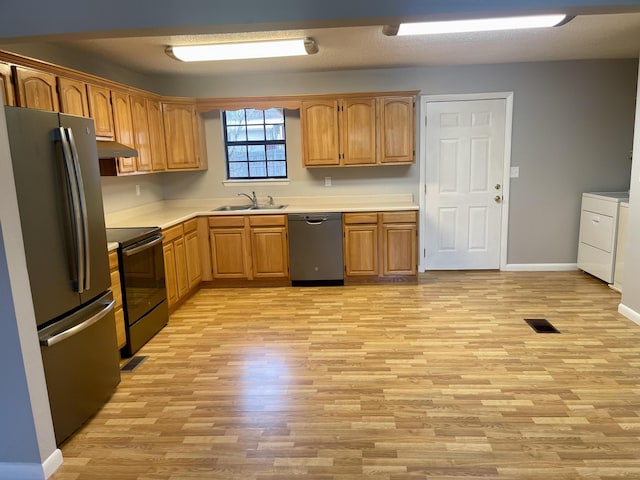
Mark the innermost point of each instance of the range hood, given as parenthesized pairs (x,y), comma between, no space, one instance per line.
(110,149)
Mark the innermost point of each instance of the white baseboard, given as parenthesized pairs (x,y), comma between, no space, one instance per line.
(31,471)
(540,267)
(629,313)
(53,463)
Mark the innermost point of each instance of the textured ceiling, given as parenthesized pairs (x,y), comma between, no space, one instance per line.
(585,37)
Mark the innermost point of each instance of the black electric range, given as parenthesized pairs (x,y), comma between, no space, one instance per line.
(142,277)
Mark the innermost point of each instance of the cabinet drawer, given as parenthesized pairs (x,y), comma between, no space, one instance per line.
(172,233)
(360,218)
(596,262)
(597,230)
(227,221)
(267,220)
(190,225)
(399,217)
(599,206)
(113,260)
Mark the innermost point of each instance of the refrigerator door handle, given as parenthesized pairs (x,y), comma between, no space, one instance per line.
(51,341)
(83,211)
(76,212)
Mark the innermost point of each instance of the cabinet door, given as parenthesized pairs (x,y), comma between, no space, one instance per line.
(100,110)
(361,250)
(319,123)
(156,136)
(141,137)
(181,267)
(194,267)
(36,89)
(123,129)
(229,254)
(170,273)
(396,130)
(6,85)
(180,135)
(73,97)
(358,131)
(270,252)
(399,249)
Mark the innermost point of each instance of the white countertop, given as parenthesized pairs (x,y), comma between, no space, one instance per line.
(171,212)
(111,246)
(609,196)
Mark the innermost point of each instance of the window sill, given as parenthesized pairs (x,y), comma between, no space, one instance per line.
(248,183)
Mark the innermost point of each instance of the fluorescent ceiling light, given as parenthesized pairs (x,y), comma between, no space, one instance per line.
(243,50)
(478,25)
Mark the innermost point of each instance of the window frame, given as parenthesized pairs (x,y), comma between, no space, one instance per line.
(248,143)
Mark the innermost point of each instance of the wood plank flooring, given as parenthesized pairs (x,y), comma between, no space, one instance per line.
(441,380)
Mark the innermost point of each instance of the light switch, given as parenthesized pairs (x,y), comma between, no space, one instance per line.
(515,172)
(327,181)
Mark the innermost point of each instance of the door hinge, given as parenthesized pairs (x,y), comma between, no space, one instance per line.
(424,252)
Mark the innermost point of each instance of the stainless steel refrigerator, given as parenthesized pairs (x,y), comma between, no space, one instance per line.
(55,165)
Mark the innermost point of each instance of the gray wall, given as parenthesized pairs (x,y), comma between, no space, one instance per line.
(631,281)
(26,431)
(572,132)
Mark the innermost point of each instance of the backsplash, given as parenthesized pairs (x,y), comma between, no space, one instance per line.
(119,193)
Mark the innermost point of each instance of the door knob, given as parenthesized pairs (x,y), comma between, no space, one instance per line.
(498,198)
(498,186)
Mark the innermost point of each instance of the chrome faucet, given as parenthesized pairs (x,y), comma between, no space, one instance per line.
(253,198)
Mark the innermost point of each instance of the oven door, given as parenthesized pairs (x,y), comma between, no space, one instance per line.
(143,281)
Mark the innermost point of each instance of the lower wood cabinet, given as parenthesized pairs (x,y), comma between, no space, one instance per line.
(380,246)
(183,270)
(116,288)
(249,247)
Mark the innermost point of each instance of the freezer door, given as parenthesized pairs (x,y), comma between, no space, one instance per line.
(81,364)
(43,204)
(84,150)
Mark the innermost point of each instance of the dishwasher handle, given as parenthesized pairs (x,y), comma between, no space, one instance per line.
(315,220)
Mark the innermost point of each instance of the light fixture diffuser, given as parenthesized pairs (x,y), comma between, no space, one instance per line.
(243,50)
(477,25)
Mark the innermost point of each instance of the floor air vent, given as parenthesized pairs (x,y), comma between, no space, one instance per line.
(134,363)
(541,325)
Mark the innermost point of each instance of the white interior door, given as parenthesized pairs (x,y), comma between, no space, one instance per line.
(464,174)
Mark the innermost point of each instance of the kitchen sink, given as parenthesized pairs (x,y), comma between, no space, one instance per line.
(233,208)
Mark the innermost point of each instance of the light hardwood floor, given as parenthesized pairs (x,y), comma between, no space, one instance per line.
(441,380)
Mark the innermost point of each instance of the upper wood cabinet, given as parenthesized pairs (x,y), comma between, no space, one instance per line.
(181,135)
(397,130)
(320,137)
(123,128)
(141,137)
(36,89)
(73,97)
(100,110)
(358,130)
(6,85)
(358,140)
(156,135)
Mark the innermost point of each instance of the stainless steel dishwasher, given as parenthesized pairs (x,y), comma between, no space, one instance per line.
(315,249)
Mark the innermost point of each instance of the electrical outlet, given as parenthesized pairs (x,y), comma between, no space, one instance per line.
(327,181)
(138,190)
